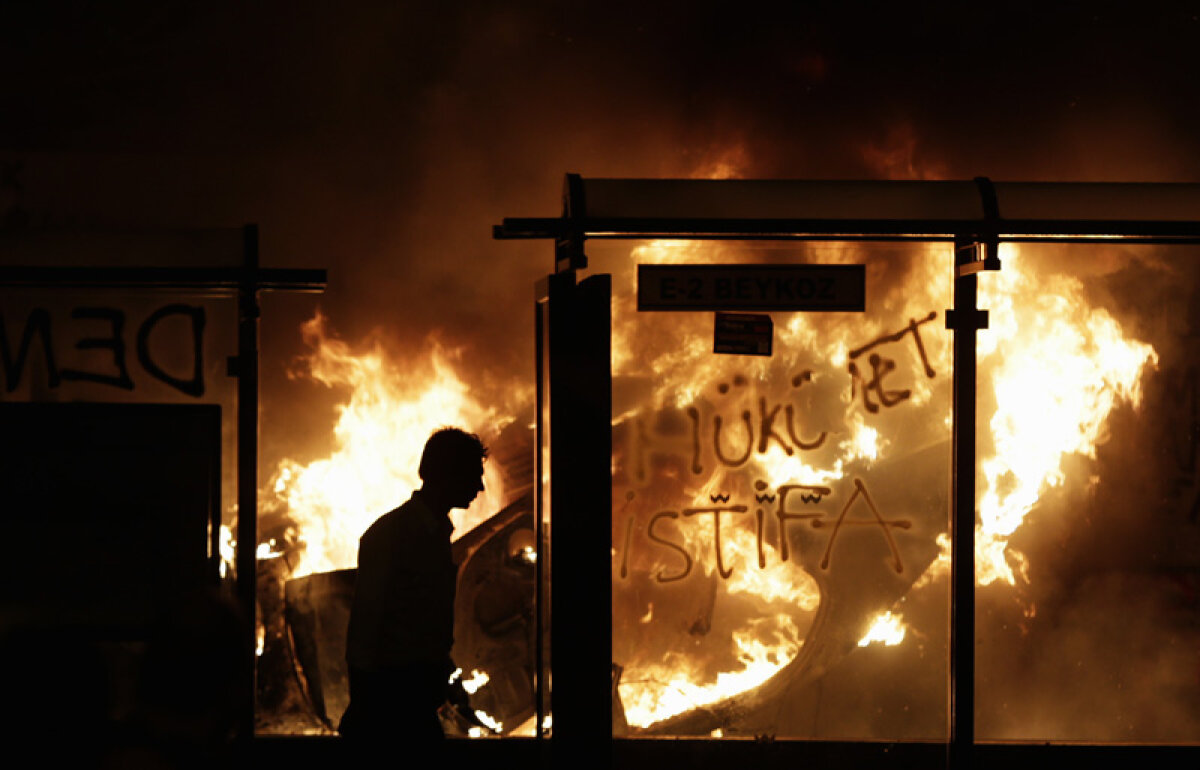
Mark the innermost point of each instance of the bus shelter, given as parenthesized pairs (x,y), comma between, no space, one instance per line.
(793,413)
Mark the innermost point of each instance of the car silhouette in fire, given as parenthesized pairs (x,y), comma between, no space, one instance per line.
(494,627)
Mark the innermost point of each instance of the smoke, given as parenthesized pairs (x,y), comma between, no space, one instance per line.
(383,141)
(1113,660)
(1099,642)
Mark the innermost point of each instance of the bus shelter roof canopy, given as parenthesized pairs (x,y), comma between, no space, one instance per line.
(868,210)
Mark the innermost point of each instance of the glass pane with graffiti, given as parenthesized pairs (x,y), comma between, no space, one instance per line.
(779,527)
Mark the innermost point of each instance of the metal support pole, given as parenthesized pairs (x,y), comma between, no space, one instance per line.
(580,557)
(965,319)
(247,463)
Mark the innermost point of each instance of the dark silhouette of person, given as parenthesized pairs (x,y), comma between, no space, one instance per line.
(402,618)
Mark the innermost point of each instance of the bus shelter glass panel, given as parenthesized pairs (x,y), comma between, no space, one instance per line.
(780,522)
(118,476)
(112,346)
(1088,623)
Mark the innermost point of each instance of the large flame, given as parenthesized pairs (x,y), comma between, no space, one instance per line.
(1058,366)
(391,410)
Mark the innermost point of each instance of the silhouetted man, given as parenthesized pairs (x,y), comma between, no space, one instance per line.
(402,619)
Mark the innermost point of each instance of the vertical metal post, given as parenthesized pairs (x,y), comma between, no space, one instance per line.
(580,519)
(577,430)
(247,461)
(965,319)
(546,323)
(539,498)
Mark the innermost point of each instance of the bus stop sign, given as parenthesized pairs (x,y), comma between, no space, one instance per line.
(752,287)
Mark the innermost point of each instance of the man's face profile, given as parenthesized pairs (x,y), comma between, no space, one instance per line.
(466,483)
(452,467)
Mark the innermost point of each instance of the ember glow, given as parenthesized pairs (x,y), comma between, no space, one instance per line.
(486,718)
(666,689)
(267,550)
(392,409)
(887,629)
(478,679)
(227,550)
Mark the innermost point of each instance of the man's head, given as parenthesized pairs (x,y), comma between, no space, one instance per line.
(452,466)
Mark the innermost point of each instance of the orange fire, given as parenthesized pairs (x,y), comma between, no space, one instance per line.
(1058,367)
(813,352)
(887,628)
(380,432)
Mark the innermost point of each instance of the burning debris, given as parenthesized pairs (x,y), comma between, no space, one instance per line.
(494,632)
(779,525)
(316,512)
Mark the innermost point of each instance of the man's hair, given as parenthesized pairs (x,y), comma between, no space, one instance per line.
(449,449)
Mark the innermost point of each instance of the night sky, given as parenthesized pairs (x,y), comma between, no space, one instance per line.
(382,140)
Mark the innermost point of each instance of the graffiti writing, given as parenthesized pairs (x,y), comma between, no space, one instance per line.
(732,441)
(732,429)
(881,367)
(732,445)
(791,505)
(103,330)
(885,526)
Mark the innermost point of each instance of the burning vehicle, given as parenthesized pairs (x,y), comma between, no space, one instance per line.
(494,628)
